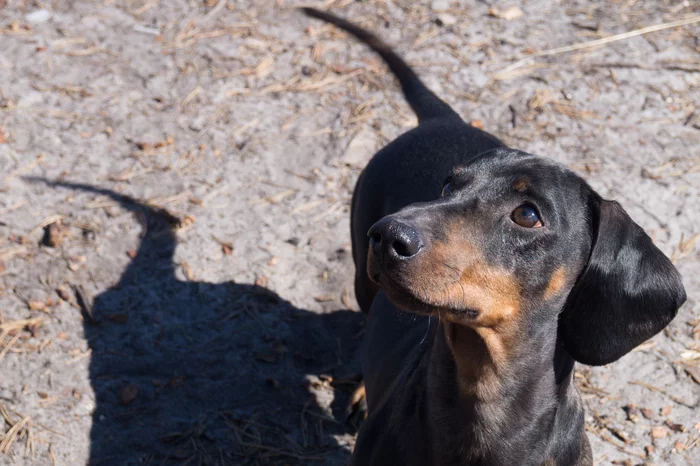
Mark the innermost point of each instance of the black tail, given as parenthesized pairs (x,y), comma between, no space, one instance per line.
(424,103)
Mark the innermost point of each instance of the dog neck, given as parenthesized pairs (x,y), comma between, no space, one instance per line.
(487,385)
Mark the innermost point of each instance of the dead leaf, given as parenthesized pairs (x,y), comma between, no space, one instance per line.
(128,394)
(264,67)
(187,270)
(54,233)
(63,293)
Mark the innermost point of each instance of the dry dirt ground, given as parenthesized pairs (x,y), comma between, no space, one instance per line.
(209,318)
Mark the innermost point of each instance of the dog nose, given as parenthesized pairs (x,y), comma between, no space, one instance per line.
(389,236)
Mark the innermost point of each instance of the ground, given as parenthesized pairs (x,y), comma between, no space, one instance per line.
(209,318)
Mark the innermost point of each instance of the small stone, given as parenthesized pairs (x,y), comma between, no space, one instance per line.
(361,148)
(440,5)
(658,432)
(666,410)
(38,16)
(649,450)
(445,19)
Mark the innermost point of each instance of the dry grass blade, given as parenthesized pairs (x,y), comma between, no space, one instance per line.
(665,392)
(17,429)
(18,325)
(603,41)
(8,253)
(13,329)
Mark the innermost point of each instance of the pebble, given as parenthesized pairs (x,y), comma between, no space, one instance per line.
(361,148)
(445,19)
(38,16)
(440,5)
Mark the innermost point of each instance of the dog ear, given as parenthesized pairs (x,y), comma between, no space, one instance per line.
(628,292)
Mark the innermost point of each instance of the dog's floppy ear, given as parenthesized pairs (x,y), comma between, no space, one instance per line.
(628,292)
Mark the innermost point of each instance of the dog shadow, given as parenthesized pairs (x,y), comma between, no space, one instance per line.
(188,372)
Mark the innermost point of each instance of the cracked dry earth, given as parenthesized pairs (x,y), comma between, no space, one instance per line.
(175,276)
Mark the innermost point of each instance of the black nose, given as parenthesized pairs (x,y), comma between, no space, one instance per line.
(388,236)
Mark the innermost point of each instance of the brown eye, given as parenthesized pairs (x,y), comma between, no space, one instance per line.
(446,190)
(526,216)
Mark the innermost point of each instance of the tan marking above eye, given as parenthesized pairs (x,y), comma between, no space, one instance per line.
(520,185)
(556,283)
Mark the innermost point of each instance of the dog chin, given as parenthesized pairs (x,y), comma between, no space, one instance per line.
(407,301)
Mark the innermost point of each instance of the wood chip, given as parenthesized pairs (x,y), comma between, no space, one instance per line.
(36,305)
(693,372)
(675,427)
(508,14)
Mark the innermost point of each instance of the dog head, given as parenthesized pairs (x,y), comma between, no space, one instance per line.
(515,240)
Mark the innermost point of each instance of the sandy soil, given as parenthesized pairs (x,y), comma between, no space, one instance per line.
(210,319)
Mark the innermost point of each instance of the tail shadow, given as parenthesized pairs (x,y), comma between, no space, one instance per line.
(189,372)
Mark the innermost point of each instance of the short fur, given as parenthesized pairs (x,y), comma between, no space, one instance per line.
(474,321)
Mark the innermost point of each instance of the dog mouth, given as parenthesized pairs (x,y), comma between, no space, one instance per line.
(407,298)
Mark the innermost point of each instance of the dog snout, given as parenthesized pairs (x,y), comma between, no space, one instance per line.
(391,238)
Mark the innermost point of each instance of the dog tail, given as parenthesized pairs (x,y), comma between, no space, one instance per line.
(422,100)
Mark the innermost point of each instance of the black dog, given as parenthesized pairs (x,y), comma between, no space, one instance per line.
(514,272)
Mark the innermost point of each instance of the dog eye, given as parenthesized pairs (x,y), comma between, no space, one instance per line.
(526,216)
(446,190)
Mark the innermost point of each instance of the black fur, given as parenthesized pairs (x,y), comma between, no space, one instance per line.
(590,287)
